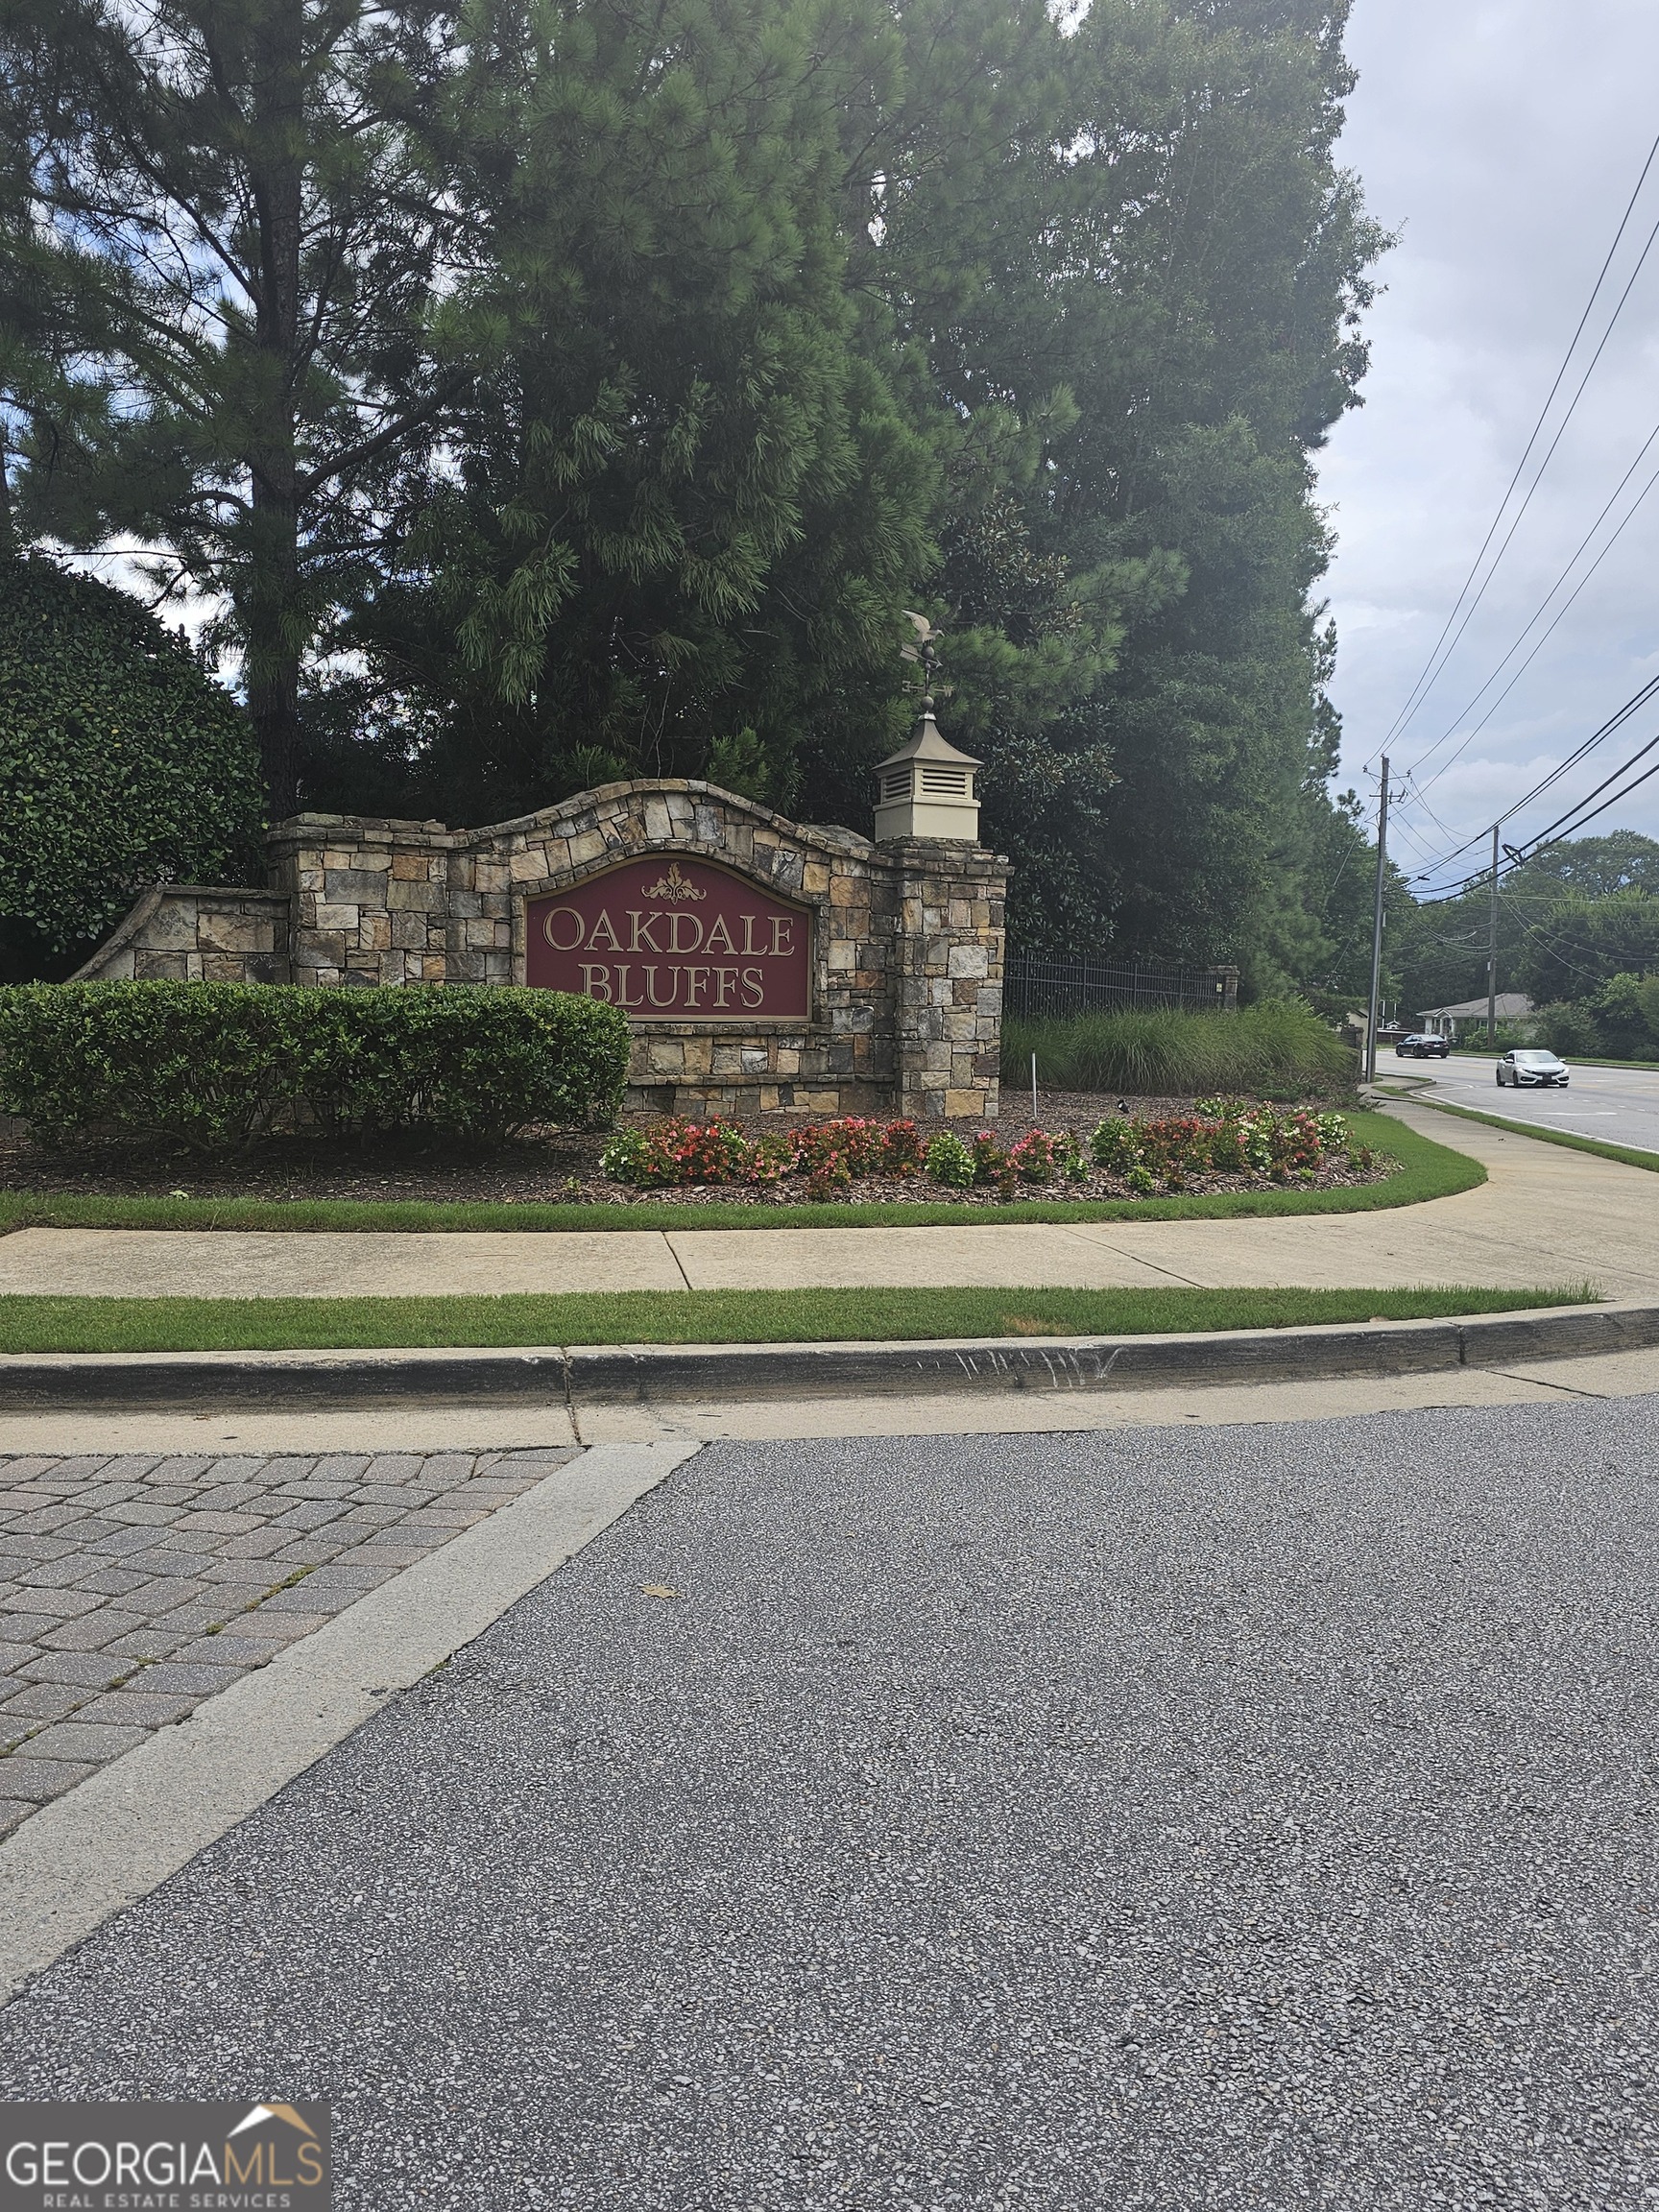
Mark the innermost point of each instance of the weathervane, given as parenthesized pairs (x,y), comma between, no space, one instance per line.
(925,651)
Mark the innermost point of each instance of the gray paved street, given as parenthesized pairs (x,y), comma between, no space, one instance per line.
(1620,1105)
(1204,1818)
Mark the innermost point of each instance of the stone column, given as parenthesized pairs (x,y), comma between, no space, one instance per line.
(946,979)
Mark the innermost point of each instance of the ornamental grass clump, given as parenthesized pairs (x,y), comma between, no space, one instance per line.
(1279,1048)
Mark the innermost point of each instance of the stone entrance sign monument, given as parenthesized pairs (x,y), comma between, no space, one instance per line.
(763,963)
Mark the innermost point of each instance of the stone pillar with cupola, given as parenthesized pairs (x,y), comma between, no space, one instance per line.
(949,939)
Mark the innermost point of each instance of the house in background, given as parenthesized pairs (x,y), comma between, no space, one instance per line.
(1470,1014)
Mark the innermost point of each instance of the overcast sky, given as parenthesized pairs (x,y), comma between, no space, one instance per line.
(1501,141)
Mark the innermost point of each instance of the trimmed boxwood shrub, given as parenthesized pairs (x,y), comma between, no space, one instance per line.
(212,1064)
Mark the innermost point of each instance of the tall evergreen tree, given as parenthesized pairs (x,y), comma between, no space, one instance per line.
(609,382)
(679,525)
(229,206)
(1160,263)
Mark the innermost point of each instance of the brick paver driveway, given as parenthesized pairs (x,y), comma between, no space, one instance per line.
(132,1588)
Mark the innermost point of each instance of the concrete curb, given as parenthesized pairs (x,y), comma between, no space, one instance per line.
(124,1830)
(665,1375)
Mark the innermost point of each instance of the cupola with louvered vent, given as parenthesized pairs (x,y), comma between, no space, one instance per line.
(925,789)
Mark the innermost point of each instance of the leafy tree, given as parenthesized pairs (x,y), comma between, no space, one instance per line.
(1622,1010)
(1134,242)
(1581,944)
(121,760)
(256,295)
(756,321)
(1540,910)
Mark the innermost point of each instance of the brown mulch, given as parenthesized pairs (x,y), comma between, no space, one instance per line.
(558,1167)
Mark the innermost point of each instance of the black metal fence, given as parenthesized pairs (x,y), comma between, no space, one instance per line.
(1034,986)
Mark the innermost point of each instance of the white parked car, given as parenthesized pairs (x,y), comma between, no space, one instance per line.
(1521,1069)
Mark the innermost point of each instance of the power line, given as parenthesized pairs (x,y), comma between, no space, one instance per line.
(1425,679)
(1565,825)
(1520,512)
(1560,613)
(1615,721)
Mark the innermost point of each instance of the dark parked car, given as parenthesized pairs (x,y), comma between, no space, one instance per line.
(1519,1068)
(1422,1048)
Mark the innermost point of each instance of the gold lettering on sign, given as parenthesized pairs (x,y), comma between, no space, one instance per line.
(697,951)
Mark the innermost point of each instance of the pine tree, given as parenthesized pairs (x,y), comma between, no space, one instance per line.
(231,209)
(679,525)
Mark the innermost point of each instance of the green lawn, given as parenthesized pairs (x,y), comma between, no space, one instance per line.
(31,1324)
(1426,1170)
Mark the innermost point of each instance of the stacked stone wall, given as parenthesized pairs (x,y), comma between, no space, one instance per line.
(198,933)
(906,939)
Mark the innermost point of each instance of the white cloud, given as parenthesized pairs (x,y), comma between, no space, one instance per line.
(1503,142)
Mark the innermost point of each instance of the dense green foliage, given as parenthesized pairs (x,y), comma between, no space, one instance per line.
(613,381)
(209,1065)
(120,760)
(1268,1051)
(1157,277)
(1577,932)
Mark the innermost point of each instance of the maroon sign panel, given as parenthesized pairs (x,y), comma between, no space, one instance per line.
(667,940)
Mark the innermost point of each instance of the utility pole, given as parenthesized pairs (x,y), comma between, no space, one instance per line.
(1492,954)
(1371,1018)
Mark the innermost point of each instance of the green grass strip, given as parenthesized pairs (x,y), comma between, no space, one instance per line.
(1426,1170)
(31,1324)
(1625,1154)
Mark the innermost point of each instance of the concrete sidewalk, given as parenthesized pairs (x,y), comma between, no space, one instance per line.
(1546,1215)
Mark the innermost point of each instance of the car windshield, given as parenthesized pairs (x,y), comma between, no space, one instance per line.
(1537,1060)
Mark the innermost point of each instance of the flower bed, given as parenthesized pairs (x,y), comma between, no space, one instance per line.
(1224,1143)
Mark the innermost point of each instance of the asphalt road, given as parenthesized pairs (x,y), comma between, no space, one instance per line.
(1620,1105)
(1205,1818)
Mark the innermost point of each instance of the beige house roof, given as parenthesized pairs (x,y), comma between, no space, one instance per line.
(1511,1004)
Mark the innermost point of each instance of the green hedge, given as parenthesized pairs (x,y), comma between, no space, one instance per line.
(217,1064)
